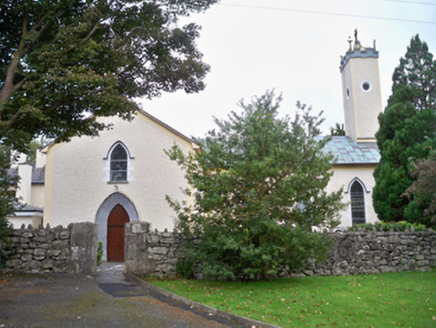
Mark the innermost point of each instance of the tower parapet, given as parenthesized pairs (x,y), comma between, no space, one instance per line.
(357,51)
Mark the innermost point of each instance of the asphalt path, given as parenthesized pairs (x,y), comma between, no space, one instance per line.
(105,299)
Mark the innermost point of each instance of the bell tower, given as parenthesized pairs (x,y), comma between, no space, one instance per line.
(361,91)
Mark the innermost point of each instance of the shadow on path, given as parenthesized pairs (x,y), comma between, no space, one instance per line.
(111,280)
(104,299)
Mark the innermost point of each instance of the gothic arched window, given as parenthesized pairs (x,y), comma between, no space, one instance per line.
(118,166)
(357,203)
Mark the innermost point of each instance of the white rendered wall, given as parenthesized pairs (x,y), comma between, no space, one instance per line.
(25,183)
(361,108)
(40,159)
(349,114)
(37,195)
(78,174)
(18,221)
(343,175)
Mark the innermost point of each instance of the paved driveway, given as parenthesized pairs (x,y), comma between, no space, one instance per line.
(101,300)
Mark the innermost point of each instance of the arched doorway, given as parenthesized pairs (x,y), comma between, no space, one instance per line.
(105,209)
(115,234)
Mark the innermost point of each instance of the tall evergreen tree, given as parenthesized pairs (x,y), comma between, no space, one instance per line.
(337,130)
(259,187)
(406,134)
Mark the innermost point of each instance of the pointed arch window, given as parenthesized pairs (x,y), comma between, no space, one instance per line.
(357,203)
(118,166)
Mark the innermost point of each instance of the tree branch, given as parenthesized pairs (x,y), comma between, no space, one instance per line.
(8,87)
(91,33)
(10,74)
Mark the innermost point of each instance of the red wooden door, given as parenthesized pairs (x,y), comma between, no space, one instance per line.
(115,234)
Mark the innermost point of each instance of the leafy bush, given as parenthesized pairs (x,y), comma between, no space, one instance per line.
(259,186)
(99,253)
(5,241)
(185,269)
(388,226)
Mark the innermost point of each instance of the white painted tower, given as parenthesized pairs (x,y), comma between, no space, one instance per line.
(361,91)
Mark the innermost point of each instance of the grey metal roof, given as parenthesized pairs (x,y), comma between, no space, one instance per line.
(13,171)
(359,52)
(30,208)
(38,175)
(347,151)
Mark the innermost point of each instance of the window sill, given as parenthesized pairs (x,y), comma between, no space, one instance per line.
(117,182)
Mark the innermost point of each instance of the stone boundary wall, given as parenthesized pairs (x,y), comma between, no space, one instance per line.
(151,252)
(359,252)
(71,249)
(156,253)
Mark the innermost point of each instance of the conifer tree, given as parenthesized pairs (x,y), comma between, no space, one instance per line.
(259,187)
(406,134)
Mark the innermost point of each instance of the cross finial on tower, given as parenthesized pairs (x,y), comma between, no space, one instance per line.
(350,40)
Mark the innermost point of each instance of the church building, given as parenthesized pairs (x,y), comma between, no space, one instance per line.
(357,153)
(124,174)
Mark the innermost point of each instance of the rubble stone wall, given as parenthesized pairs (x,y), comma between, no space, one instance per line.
(362,252)
(156,253)
(151,252)
(71,249)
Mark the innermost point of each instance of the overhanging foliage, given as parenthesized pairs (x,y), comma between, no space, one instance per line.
(63,60)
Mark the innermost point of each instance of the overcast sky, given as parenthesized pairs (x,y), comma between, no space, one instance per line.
(294,47)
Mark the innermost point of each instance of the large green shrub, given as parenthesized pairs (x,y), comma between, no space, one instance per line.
(259,188)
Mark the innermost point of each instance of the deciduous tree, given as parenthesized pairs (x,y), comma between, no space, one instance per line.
(63,60)
(259,188)
(423,189)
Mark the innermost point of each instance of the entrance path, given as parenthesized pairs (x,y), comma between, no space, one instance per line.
(101,300)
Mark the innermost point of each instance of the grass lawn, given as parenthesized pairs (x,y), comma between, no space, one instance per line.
(406,299)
